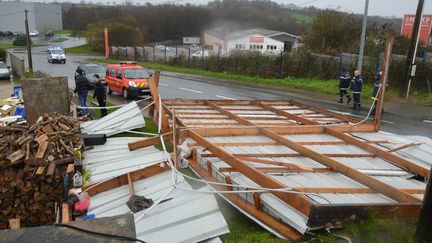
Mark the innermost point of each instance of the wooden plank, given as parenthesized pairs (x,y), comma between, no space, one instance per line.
(257,200)
(389,157)
(66,216)
(14,224)
(326,112)
(118,181)
(405,146)
(384,78)
(300,202)
(283,229)
(271,162)
(154,90)
(296,155)
(43,145)
(278,170)
(369,181)
(148,142)
(275,143)
(130,184)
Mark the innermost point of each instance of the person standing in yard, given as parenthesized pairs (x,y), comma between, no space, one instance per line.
(82,86)
(100,94)
(344,82)
(356,87)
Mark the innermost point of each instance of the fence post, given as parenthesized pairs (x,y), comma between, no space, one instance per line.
(176,57)
(236,64)
(309,57)
(154,51)
(339,64)
(257,63)
(165,52)
(218,57)
(144,54)
(189,56)
(281,64)
(202,58)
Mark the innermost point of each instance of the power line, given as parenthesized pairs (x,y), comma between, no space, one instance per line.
(307,2)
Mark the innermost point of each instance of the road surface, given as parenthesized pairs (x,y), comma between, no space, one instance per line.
(175,85)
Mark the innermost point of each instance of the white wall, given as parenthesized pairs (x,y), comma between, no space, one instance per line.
(12,16)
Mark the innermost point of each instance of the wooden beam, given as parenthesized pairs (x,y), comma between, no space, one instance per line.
(405,146)
(148,142)
(278,170)
(123,179)
(369,181)
(273,223)
(300,202)
(154,90)
(66,217)
(396,160)
(130,183)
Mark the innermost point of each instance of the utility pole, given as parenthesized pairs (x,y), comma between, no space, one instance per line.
(59,27)
(424,225)
(363,37)
(30,61)
(403,92)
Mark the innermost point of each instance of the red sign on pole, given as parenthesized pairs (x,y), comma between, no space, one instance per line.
(425,27)
(106,43)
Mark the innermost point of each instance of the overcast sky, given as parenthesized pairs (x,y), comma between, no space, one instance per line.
(376,7)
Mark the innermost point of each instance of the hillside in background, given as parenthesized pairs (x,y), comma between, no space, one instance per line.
(173,21)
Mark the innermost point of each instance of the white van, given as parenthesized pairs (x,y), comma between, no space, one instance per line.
(56,54)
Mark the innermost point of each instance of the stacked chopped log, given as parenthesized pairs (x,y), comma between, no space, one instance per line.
(34,175)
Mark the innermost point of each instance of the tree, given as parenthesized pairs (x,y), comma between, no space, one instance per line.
(20,40)
(122,32)
(333,31)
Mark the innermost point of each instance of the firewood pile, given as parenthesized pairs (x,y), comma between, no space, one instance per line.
(34,162)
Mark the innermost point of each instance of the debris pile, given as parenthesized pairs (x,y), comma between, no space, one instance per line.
(11,110)
(36,168)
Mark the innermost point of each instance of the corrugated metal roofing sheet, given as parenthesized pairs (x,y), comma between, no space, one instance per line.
(126,118)
(185,217)
(420,154)
(274,149)
(114,158)
(312,138)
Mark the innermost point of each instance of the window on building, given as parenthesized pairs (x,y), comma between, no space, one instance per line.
(250,47)
(261,47)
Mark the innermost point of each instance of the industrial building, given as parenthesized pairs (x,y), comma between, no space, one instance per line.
(262,40)
(42,17)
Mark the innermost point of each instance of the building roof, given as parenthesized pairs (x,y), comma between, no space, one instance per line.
(225,34)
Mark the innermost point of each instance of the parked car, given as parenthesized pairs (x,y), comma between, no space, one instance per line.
(4,71)
(200,54)
(90,69)
(127,79)
(56,54)
(162,47)
(49,34)
(34,33)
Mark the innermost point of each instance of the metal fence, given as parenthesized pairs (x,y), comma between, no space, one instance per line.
(273,65)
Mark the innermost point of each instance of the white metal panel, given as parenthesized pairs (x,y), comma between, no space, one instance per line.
(114,158)
(184,217)
(126,118)
(337,149)
(312,138)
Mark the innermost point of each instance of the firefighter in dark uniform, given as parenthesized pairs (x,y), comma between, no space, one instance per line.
(356,87)
(344,83)
(375,91)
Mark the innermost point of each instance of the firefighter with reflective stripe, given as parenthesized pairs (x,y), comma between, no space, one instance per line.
(356,87)
(374,97)
(344,83)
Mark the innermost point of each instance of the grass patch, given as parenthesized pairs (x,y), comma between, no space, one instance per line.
(29,74)
(372,229)
(63,32)
(328,87)
(83,49)
(60,40)
(302,18)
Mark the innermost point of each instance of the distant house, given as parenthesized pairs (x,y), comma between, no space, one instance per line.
(261,40)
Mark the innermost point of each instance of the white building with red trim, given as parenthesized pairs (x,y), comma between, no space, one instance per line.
(262,40)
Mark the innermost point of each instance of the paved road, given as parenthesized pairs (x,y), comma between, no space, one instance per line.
(174,85)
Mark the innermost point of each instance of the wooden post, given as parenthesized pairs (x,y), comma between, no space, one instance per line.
(174,138)
(384,78)
(14,224)
(424,225)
